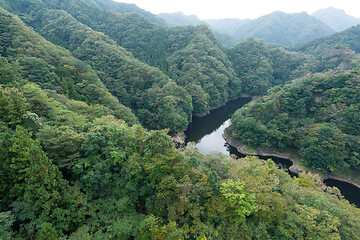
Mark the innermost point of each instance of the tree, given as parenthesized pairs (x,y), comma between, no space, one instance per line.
(34,185)
(324,147)
(47,232)
(13,105)
(6,221)
(241,202)
(310,223)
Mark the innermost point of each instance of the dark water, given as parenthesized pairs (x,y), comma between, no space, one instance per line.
(207,132)
(281,163)
(349,191)
(202,126)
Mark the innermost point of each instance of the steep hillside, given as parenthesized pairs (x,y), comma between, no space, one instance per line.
(284,29)
(318,116)
(158,101)
(260,67)
(223,29)
(25,54)
(160,47)
(134,83)
(335,18)
(127,8)
(348,38)
(202,63)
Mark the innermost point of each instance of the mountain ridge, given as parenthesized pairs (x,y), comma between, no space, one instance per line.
(337,19)
(277,27)
(284,29)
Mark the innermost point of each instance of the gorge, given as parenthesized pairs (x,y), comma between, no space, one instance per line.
(207,132)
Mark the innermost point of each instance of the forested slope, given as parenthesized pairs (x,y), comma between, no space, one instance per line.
(75,163)
(148,42)
(189,60)
(282,28)
(134,83)
(317,115)
(348,38)
(89,177)
(25,54)
(261,66)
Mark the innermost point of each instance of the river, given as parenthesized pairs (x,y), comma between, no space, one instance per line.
(207,132)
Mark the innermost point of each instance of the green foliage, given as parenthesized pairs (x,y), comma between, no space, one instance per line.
(36,185)
(284,29)
(315,115)
(34,59)
(14,164)
(88,171)
(261,67)
(62,144)
(6,221)
(347,37)
(9,72)
(47,232)
(243,203)
(203,63)
(131,81)
(137,185)
(324,147)
(178,19)
(13,106)
(207,66)
(248,129)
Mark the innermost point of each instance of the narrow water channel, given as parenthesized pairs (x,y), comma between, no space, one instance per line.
(207,132)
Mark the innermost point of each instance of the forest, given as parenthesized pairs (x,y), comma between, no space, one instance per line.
(318,116)
(91,92)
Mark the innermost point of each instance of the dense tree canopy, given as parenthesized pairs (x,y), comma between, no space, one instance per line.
(75,163)
(317,115)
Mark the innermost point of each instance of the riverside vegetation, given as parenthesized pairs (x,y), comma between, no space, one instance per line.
(88,97)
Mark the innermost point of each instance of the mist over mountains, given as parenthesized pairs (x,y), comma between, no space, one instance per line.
(337,19)
(277,27)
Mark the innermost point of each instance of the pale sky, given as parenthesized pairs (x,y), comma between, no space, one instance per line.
(206,9)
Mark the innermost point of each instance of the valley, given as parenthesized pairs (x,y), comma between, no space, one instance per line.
(91,92)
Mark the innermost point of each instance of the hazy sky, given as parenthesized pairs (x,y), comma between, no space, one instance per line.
(205,9)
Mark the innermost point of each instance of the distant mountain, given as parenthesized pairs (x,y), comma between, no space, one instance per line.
(282,28)
(223,28)
(178,19)
(337,19)
(227,25)
(127,8)
(349,38)
(226,39)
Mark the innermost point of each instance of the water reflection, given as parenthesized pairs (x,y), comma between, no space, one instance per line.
(204,126)
(207,132)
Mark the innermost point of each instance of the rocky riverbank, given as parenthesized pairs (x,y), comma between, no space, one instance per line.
(267,152)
